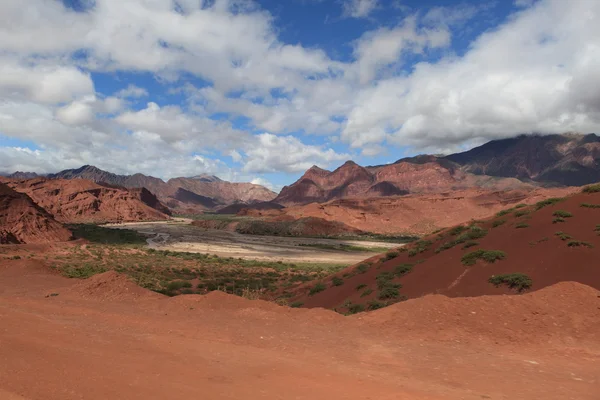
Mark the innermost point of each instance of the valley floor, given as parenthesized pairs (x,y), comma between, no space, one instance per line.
(105,338)
(179,235)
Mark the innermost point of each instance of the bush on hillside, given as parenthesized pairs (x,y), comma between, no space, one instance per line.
(375,305)
(362,268)
(361,286)
(356,308)
(337,281)
(562,214)
(366,292)
(489,256)
(522,225)
(517,281)
(498,222)
(592,188)
(588,205)
(319,287)
(548,202)
(578,243)
(563,236)
(403,269)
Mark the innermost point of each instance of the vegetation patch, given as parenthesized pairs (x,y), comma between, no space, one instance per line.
(562,214)
(522,225)
(296,304)
(82,272)
(592,188)
(390,255)
(361,286)
(420,246)
(563,236)
(516,281)
(375,305)
(469,245)
(597,229)
(362,268)
(366,292)
(99,234)
(457,230)
(558,220)
(544,239)
(498,222)
(403,269)
(504,212)
(489,256)
(337,281)
(520,205)
(319,287)
(548,202)
(578,243)
(522,213)
(474,232)
(388,292)
(356,308)
(384,278)
(588,205)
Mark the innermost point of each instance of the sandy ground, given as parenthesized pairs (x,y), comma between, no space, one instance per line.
(179,235)
(108,339)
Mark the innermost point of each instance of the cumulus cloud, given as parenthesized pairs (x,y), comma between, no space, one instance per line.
(359,8)
(272,153)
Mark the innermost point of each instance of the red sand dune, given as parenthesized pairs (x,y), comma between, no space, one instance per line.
(90,341)
(22,221)
(83,201)
(529,242)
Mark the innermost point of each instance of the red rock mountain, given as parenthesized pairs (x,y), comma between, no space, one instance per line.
(83,201)
(23,221)
(569,159)
(425,174)
(181,194)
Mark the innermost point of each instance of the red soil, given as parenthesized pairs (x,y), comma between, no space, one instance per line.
(534,250)
(415,214)
(83,201)
(22,221)
(89,341)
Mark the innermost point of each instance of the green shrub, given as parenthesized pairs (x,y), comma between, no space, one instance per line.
(391,255)
(403,269)
(361,286)
(82,272)
(419,247)
(489,256)
(177,285)
(517,281)
(522,225)
(388,292)
(588,205)
(383,278)
(562,214)
(592,188)
(474,232)
(522,213)
(520,205)
(362,268)
(366,292)
(503,212)
(375,305)
(558,220)
(15,258)
(319,287)
(498,222)
(597,229)
(548,202)
(296,304)
(563,236)
(470,244)
(577,243)
(356,308)
(337,281)
(457,230)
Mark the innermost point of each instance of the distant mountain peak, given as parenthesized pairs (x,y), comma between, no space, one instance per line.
(207,178)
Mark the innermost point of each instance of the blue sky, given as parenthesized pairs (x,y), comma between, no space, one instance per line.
(261,90)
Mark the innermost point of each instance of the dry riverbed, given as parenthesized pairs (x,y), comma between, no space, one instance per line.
(179,235)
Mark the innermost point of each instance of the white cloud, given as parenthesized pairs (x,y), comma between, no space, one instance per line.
(359,8)
(266,183)
(272,153)
(132,91)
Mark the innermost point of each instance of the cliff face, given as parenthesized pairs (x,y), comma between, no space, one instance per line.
(81,201)
(23,221)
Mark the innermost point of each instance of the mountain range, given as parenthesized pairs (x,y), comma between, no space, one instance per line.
(523,162)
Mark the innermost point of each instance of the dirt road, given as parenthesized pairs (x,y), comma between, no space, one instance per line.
(179,235)
(108,339)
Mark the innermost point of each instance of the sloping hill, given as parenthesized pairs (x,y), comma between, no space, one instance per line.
(23,221)
(553,241)
(568,159)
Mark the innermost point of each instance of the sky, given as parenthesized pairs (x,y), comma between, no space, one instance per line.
(261,90)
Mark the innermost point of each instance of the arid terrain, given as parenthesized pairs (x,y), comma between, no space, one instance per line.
(179,235)
(105,338)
